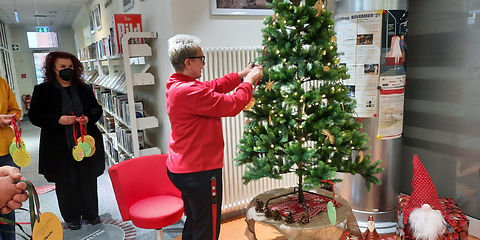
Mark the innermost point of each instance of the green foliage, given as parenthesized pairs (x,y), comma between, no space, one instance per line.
(286,129)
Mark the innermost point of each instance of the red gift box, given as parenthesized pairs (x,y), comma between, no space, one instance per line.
(457,232)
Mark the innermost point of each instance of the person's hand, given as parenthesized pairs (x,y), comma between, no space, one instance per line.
(17,199)
(79,119)
(67,120)
(5,120)
(254,75)
(245,71)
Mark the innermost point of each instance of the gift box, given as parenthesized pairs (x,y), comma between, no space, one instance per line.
(459,230)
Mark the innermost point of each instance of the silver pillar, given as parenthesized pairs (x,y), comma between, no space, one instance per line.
(380,201)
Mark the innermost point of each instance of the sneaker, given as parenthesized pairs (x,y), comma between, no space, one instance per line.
(74,225)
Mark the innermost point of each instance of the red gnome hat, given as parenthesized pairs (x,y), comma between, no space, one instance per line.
(423,192)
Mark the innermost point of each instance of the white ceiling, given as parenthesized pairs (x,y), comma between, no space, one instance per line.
(56,14)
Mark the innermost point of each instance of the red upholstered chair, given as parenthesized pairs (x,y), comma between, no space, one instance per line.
(145,194)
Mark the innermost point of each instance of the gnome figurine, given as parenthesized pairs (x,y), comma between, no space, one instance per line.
(424,212)
(371,232)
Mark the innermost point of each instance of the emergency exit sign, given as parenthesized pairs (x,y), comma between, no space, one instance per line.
(43,29)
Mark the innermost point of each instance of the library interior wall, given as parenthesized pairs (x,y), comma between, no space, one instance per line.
(169,18)
(24,58)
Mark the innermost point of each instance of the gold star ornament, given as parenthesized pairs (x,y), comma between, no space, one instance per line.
(334,39)
(274,17)
(250,104)
(328,135)
(269,85)
(326,68)
(319,7)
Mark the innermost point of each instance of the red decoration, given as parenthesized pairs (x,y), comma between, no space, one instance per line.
(424,192)
(459,220)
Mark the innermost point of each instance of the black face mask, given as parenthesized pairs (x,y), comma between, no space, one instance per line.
(66,74)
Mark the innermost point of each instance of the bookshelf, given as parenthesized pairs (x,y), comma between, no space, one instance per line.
(113,79)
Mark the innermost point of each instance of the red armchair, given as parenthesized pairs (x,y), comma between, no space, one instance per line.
(145,194)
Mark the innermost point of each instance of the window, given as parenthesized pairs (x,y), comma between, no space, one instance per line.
(42,39)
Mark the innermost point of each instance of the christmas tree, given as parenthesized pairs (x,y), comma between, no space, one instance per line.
(302,119)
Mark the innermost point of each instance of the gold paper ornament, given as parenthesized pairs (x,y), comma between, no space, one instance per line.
(333,39)
(328,135)
(274,17)
(247,121)
(269,120)
(250,104)
(361,156)
(48,226)
(269,85)
(379,137)
(326,68)
(21,157)
(78,153)
(319,7)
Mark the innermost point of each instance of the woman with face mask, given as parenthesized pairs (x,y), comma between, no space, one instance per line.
(57,107)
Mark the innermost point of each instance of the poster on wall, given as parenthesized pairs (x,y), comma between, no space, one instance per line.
(98,17)
(359,38)
(394,46)
(390,114)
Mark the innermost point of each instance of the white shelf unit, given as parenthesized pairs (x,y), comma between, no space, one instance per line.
(116,76)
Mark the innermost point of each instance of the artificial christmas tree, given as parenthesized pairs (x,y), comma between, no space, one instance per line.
(302,119)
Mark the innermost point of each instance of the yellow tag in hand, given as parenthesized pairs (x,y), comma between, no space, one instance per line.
(48,227)
(78,153)
(14,147)
(21,157)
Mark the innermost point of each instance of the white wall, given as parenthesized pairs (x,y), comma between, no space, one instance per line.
(169,17)
(24,58)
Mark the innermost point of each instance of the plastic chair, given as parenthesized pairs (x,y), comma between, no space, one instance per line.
(145,194)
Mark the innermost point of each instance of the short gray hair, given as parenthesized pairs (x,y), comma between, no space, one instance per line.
(181,47)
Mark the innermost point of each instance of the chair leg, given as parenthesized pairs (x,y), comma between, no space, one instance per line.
(160,234)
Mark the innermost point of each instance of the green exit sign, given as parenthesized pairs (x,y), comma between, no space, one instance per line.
(43,29)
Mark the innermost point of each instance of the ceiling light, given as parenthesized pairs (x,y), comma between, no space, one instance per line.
(15,12)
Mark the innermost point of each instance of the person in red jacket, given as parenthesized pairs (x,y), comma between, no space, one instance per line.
(195,147)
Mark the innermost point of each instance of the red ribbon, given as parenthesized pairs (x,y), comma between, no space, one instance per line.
(261,63)
(17,132)
(83,127)
(75,132)
(333,189)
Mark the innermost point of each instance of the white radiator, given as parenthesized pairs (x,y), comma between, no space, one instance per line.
(236,195)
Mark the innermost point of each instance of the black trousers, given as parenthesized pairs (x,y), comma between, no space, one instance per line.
(196,191)
(78,200)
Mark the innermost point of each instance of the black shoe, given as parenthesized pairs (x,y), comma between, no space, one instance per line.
(74,225)
(95,221)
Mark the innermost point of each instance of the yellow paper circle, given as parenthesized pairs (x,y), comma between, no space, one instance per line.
(21,157)
(48,227)
(14,147)
(78,153)
(379,137)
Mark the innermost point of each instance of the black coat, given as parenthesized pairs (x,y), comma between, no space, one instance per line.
(56,162)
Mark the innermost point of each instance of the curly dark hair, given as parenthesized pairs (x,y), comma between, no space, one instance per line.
(49,74)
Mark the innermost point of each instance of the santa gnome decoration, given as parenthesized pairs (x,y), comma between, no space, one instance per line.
(371,232)
(424,212)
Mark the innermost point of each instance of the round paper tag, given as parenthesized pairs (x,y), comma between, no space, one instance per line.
(93,152)
(48,227)
(21,157)
(88,139)
(78,153)
(87,150)
(14,147)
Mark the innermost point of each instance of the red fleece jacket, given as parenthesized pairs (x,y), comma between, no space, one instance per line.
(195,109)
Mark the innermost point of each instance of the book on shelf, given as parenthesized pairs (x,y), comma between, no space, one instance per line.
(123,23)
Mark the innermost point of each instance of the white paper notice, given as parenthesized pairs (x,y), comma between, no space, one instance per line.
(390,114)
(366,101)
(390,82)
